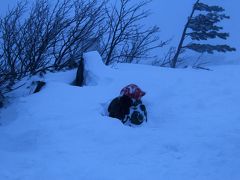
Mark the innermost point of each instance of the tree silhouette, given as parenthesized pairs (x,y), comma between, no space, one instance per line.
(202,26)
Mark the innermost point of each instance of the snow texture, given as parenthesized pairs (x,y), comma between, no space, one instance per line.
(193,127)
(94,68)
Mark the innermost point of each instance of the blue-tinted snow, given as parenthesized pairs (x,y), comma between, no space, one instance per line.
(61,133)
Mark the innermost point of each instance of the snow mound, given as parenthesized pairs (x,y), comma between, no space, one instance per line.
(95,70)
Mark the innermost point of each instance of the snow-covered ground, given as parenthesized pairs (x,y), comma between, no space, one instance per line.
(63,133)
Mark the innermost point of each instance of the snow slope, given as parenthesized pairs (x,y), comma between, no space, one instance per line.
(62,133)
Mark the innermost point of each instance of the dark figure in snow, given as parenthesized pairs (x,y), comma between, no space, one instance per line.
(119,107)
(128,107)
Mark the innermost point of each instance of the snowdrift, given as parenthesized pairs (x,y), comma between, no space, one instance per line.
(193,128)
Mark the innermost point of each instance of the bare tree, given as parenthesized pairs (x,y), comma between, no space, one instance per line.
(10,29)
(85,30)
(43,36)
(125,39)
(166,60)
(47,37)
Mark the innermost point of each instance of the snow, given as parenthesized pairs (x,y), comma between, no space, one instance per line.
(62,133)
(94,68)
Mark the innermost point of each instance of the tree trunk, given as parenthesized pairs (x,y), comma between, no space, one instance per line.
(180,45)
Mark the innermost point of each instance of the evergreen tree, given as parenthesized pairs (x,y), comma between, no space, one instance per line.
(202,26)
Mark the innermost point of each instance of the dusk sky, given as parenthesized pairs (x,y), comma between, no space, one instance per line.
(171,15)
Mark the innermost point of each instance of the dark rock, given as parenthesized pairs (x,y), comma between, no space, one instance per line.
(79,81)
(1,100)
(39,86)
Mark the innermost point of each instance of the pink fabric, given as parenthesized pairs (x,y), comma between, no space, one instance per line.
(133,91)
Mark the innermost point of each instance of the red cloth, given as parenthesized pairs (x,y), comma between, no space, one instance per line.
(133,91)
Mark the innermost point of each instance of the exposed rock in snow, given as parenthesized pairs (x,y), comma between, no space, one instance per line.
(79,80)
(1,100)
(39,86)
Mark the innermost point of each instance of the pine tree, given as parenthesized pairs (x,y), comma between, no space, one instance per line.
(201,27)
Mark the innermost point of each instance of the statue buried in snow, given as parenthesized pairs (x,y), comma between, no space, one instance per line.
(128,107)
